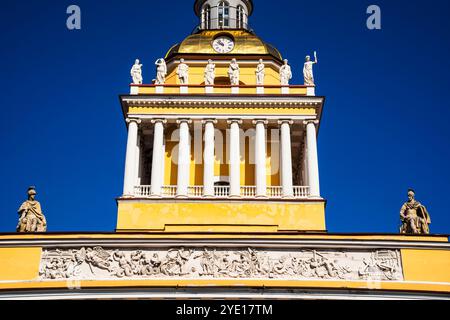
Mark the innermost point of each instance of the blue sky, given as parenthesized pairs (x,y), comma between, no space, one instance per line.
(385,125)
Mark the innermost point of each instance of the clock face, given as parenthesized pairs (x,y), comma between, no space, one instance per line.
(223,44)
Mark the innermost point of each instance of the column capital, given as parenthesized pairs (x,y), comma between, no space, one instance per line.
(288,121)
(306,122)
(129,120)
(205,121)
(263,121)
(188,121)
(163,121)
(231,121)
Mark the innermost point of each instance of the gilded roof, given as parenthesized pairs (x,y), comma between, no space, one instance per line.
(246,43)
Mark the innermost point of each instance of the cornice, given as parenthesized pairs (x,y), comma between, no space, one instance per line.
(207,101)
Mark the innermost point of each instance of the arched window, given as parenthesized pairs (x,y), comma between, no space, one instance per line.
(224,14)
(206,17)
(240,14)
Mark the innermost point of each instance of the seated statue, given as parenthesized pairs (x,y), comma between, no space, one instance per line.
(31,217)
(414,216)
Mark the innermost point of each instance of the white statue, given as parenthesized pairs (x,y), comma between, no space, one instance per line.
(285,73)
(136,72)
(233,73)
(161,71)
(260,73)
(210,73)
(308,70)
(183,72)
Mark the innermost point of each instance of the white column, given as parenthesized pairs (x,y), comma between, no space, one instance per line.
(260,158)
(158,157)
(130,160)
(208,158)
(313,163)
(184,158)
(235,158)
(138,162)
(286,158)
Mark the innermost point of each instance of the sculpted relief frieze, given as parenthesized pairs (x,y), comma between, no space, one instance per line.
(96,263)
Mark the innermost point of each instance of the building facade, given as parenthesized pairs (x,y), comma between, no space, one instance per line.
(222,156)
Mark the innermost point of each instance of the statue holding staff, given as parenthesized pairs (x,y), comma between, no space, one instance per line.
(308,70)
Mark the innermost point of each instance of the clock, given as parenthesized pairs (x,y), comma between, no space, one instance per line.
(223,44)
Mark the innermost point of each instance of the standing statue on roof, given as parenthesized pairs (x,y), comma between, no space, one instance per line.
(183,72)
(161,71)
(285,73)
(233,72)
(210,73)
(136,72)
(308,70)
(260,72)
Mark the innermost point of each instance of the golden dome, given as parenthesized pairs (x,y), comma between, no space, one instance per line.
(246,43)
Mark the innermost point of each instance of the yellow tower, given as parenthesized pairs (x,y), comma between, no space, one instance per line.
(221,194)
(229,145)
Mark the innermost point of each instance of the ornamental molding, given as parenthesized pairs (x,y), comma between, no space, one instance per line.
(98,263)
(200,103)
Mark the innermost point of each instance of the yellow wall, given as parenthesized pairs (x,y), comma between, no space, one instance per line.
(169,89)
(228,215)
(19,263)
(247,74)
(170,167)
(221,167)
(426,265)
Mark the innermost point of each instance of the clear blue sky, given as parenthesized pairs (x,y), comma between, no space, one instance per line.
(385,126)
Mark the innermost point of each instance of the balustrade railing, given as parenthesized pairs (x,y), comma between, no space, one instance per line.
(274,192)
(195,191)
(169,191)
(142,191)
(248,191)
(300,192)
(222,191)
